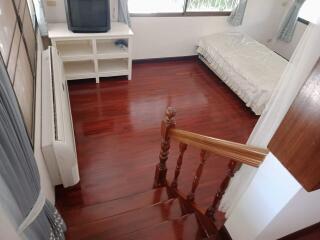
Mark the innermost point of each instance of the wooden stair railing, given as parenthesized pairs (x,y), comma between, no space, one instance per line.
(238,153)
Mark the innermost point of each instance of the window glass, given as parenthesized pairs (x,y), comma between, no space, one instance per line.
(177,6)
(309,9)
(211,5)
(155,6)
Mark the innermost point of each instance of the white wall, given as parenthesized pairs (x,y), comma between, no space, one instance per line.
(56,13)
(283,48)
(273,206)
(303,209)
(157,37)
(262,18)
(286,49)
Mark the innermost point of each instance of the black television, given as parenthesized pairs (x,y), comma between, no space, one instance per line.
(88,16)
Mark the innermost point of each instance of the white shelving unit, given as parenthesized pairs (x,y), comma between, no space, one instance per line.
(75,50)
(93,55)
(113,67)
(79,69)
(106,49)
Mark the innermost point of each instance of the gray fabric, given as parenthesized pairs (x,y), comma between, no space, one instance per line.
(236,16)
(289,24)
(123,12)
(19,172)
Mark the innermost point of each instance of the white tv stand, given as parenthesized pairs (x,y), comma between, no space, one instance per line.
(93,55)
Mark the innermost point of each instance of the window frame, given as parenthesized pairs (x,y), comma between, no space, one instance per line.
(185,13)
(303,21)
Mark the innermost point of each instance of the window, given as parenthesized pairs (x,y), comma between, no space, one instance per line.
(181,7)
(155,6)
(309,9)
(211,5)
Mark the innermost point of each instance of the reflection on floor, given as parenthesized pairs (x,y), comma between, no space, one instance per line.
(117,129)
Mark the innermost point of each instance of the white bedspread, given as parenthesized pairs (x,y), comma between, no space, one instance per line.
(249,68)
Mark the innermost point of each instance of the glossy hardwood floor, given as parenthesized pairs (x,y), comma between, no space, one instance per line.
(117,129)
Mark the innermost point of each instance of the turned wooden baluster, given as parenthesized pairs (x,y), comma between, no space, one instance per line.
(223,186)
(161,169)
(183,148)
(203,158)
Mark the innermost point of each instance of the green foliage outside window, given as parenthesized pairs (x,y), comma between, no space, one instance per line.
(219,5)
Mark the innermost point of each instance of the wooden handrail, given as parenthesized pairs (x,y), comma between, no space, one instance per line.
(243,153)
(236,152)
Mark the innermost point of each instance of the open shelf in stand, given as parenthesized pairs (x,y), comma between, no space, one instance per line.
(93,55)
(79,69)
(106,48)
(71,50)
(113,67)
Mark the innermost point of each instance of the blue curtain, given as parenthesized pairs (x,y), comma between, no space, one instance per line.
(236,16)
(20,191)
(289,24)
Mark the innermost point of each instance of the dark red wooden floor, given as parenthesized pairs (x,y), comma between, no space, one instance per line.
(117,129)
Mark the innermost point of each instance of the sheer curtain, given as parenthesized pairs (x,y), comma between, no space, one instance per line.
(236,16)
(289,23)
(21,196)
(294,76)
(123,12)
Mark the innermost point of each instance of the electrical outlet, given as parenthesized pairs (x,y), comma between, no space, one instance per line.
(51,3)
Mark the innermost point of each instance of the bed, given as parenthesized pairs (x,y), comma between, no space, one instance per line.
(249,68)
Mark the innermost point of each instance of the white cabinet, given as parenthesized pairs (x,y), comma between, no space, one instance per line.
(93,55)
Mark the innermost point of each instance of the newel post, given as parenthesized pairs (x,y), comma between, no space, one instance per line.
(161,170)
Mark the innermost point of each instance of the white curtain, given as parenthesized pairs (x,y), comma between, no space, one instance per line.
(289,24)
(294,76)
(237,15)
(123,12)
